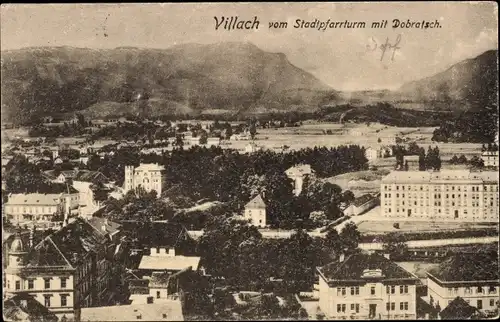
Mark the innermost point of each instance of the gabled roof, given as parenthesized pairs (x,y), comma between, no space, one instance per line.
(24,307)
(256,203)
(459,309)
(353,267)
(98,223)
(67,246)
(34,199)
(159,280)
(90,176)
(481,266)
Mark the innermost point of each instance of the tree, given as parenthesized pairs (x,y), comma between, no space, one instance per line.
(333,241)
(395,244)
(462,159)
(379,140)
(421,160)
(350,237)
(348,196)
(454,160)
(476,161)
(252,130)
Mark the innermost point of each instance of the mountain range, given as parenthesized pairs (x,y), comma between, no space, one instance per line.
(229,77)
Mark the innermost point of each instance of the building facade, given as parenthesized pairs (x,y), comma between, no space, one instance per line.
(367,286)
(459,195)
(66,271)
(255,212)
(36,207)
(148,176)
(473,277)
(490,158)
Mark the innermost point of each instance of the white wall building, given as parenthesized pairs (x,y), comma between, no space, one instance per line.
(148,176)
(490,158)
(459,195)
(255,212)
(473,277)
(367,286)
(298,174)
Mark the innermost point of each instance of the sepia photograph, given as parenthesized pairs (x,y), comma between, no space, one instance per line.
(256,161)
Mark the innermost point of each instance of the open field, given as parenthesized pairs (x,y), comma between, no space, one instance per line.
(360,182)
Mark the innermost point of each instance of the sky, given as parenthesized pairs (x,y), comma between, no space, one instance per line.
(341,58)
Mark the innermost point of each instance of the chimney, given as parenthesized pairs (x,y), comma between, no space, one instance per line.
(341,257)
(388,256)
(171,251)
(103,228)
(24,304)
(106,221)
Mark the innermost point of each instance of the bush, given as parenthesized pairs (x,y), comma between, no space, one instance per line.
(396,225)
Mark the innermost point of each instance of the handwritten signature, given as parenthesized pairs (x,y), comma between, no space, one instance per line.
(385,47)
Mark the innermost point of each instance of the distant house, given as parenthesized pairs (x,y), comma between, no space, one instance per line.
(298,174)
(473,277)
(193,140)
(371,154)
(252,147)
(215,141)
(361,205)
(255,212)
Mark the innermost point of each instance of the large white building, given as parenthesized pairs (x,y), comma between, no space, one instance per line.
(255,212)
(473,277)
(490,158)
(367,286)
(148,176)
(460,195)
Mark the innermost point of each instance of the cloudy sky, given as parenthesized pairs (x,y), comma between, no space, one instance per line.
(339,57)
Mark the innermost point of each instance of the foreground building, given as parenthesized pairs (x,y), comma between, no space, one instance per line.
(68,270)
(459,195)
(148,176)
(472,277)
(367,286)
(166,310)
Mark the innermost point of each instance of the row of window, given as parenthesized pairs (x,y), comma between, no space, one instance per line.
(342,307)
(391,306)
(46,284)
(447,188)
(33,210)
(479,290)
(64,299)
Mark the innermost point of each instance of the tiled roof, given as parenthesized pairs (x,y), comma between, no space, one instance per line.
(256,203)
(90,176)
(67,246)
(24,307)
(174,263)
(34,199)
(459,309)
(352,268)
(98,223)
(166,310)
(481,266)
(149,167)
(159,279)
(363,199)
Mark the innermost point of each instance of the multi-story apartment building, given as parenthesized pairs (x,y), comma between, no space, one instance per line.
(460,195)
(299,174)
(490,158)
(367,286)
(255,212)
(67,270)
(36,207)
(473,277)
(148,176)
